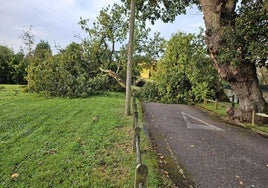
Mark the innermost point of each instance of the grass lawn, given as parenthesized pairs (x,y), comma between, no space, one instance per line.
(221,111)
(59,142)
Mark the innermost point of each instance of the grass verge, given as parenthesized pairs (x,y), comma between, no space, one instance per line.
(221,112)
(58,142)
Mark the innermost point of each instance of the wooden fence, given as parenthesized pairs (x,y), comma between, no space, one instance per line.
(253,114)
(141,173)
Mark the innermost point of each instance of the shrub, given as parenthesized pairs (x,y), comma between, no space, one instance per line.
(149,92)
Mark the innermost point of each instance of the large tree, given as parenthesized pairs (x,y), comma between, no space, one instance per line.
(106,44)
(236,39)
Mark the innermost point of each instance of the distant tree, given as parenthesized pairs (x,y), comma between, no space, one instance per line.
(37,66)
(28,41)
(12,68)
(6,60)
(19,67)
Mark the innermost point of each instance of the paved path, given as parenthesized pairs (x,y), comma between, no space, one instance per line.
(209,151)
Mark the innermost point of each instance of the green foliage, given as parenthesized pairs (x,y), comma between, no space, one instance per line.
(149,92)
(6,58)
(75,70)
(66,74)
(184,74)
(247,40)
(37,68)
(12,67)
(165,10)
(106,43)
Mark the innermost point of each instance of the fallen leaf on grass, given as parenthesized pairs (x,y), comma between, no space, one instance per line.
(95,118)
(165,172)
(14,176)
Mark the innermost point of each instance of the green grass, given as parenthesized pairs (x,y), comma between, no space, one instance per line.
(221,109)
(58,142)
(221,112)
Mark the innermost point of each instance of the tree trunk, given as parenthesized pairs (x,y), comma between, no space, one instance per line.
(242,78)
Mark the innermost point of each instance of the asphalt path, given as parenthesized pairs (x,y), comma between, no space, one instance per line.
(200,150)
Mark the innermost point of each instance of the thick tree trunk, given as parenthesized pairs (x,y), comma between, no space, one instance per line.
(242,78)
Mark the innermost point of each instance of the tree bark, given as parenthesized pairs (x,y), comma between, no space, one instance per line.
(115,76)
(242,78)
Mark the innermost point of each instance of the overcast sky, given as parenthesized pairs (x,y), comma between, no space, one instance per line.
(56,21)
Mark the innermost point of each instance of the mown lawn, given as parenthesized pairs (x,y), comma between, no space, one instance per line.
(58,142)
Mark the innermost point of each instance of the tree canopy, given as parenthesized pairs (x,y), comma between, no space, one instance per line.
(12,66)
(185,74)
(236,39)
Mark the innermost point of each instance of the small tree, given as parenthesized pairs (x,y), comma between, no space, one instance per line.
(28,40)
(37,66)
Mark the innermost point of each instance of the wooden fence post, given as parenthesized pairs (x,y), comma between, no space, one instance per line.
(141,172)
(136,137)
(205,101)
(216,104)
(233,102)
(253,117)
(141,176)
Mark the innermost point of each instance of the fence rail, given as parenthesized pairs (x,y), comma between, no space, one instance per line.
(254,115)
(141,173)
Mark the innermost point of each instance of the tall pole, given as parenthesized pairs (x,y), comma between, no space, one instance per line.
(130,56)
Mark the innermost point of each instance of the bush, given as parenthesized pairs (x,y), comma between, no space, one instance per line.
(149,92)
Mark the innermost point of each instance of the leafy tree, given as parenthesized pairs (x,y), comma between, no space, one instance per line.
(106,44)
(12,69)
(66,74)
(185,74)
(79,77)
(37,66)
(28,39)
(75,71)
(19,66)
(236,39)
(6,59)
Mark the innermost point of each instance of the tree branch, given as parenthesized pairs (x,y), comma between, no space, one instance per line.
(115,76)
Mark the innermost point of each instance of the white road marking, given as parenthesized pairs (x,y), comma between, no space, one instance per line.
(202,125)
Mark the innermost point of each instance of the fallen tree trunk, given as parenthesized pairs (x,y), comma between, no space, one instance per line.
(115,76)
(120,81)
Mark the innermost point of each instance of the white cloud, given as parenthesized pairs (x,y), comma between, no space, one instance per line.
(56,21)
(52,20)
